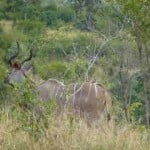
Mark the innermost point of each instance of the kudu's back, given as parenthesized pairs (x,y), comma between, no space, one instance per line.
(51,90)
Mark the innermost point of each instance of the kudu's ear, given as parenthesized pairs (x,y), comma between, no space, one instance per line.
(9,61)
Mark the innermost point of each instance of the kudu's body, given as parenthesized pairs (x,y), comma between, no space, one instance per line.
(90,100)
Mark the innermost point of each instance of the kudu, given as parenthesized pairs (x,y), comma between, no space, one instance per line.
(49,89)
(90,100)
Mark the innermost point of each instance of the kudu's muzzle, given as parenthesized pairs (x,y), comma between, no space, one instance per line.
(6,81)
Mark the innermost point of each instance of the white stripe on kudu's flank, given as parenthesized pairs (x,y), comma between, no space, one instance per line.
(74,91)
(95,85)
(89,91)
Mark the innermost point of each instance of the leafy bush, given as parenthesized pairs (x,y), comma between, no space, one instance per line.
(27,109)
(63,70)
(30,27)
(55,69)
(56,16)
(5,41)
(136,112)
(68,41)
(9,34)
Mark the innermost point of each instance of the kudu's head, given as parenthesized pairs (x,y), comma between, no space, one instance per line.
(18,71)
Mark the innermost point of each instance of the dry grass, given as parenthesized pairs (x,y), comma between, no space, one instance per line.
(60,135)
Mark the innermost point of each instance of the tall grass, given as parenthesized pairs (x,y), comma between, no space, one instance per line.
(67,134)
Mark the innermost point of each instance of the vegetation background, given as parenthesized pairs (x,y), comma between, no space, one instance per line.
(102,40)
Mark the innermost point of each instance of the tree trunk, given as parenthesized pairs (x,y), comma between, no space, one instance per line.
(147,86)
(89,24)
(144,64)
(124,91)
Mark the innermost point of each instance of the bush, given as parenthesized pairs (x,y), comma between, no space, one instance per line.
(136,110)
(68,41)
(26,108)
(55,69)
(31,27)
(55,16)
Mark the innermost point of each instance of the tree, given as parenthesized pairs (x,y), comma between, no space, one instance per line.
(85,10)
(137,13)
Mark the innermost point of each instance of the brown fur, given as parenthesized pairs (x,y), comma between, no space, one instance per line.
(51,89)
(90,100)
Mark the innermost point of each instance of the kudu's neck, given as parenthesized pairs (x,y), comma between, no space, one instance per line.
(35,79)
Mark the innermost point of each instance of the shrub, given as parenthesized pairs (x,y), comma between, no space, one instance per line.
(31,27)
(56,16)
(68,41)
(26,108)
(55,69)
